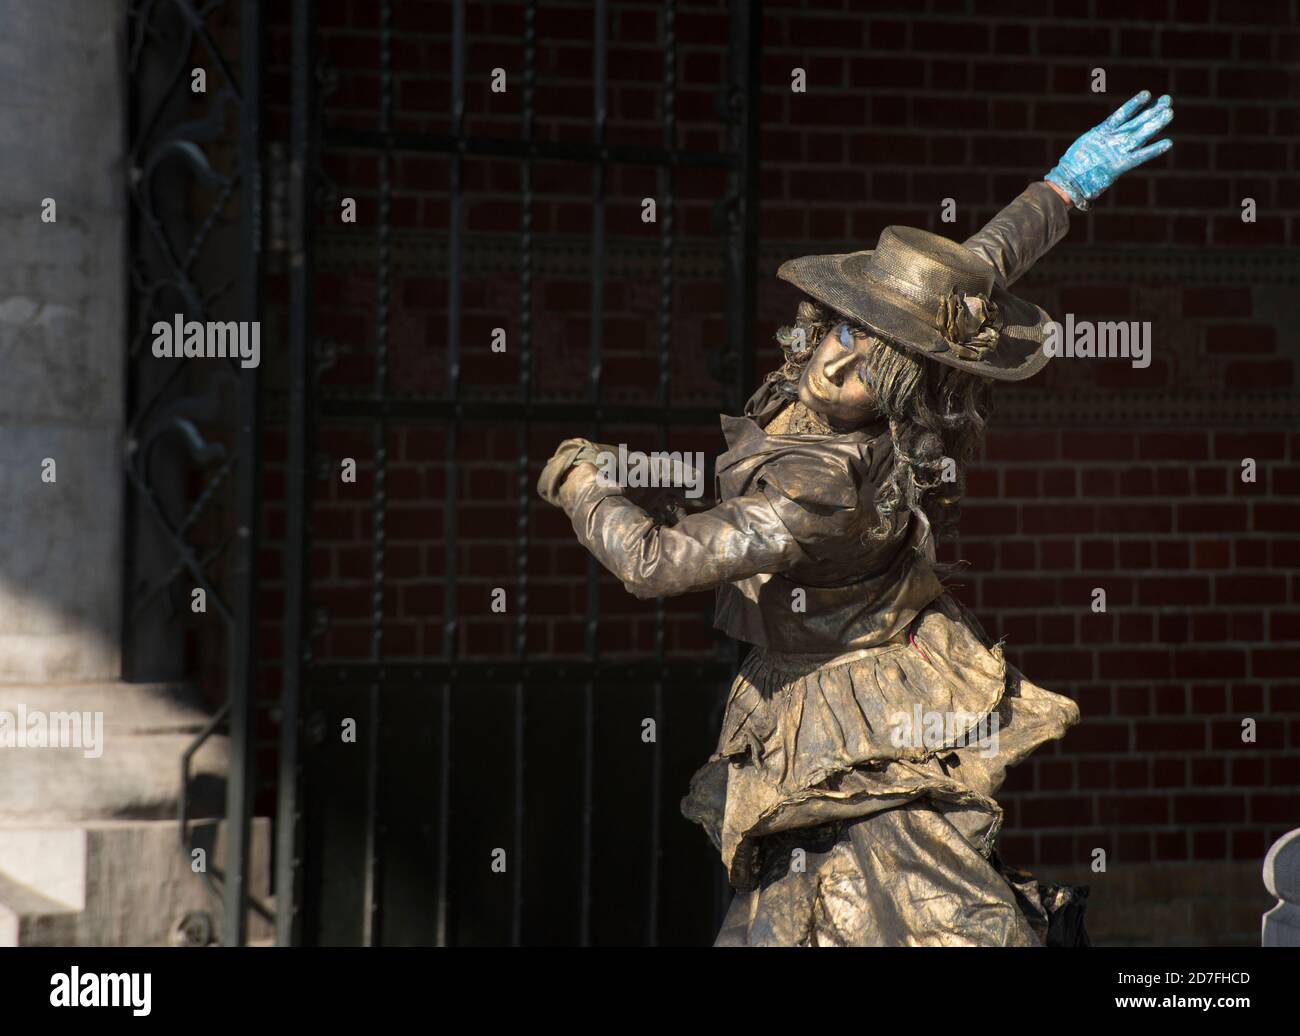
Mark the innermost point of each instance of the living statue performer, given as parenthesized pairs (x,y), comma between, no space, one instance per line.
(851,793)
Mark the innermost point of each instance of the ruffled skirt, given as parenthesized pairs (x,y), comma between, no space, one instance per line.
(851,799)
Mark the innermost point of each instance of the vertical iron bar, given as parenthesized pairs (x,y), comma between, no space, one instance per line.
(243,635)
(662,397)
(742,226)
(382,322)
(743,100)
(372,907)
(591,647)
(523,489)
(449,525)
(371,919)
(304,158)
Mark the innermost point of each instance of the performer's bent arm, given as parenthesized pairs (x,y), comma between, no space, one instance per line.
(737,539)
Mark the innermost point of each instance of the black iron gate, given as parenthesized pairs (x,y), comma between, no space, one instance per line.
(391,839)
(192,448)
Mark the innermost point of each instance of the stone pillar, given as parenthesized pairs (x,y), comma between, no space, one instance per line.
(69,814)
(62,341)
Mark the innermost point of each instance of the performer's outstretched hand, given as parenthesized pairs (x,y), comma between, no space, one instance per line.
(1098,158)
(568,455)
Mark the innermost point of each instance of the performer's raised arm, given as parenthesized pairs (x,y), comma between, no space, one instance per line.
(1023,232)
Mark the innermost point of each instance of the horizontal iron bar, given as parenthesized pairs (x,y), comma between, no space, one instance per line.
(562,151)
(537,672)
(363,409)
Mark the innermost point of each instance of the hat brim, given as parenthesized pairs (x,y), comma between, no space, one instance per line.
(844,283)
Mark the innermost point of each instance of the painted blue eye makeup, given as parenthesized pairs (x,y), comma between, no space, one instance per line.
(846,340)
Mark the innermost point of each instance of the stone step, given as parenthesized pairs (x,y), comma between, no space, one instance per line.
(119,752)
(119,882)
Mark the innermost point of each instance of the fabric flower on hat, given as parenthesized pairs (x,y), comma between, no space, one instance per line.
(969,323)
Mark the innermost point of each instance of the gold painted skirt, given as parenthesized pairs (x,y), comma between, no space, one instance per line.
(851,799)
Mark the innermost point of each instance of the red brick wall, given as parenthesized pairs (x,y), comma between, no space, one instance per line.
(1199,633)
(1200,569)
(1095,475)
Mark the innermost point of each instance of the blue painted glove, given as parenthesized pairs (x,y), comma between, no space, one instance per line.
(1096,159)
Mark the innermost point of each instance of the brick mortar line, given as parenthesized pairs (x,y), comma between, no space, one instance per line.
(1234,30)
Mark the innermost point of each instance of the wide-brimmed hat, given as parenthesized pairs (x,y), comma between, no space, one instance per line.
(933,296)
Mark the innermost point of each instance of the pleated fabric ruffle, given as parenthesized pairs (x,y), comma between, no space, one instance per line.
(936,719)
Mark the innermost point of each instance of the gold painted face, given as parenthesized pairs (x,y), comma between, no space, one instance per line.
(832,383)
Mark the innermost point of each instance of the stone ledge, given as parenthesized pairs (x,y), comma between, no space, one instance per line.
(1146,904)
(145,730)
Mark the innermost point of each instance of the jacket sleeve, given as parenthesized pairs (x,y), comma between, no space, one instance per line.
(1022,233)
(734,540)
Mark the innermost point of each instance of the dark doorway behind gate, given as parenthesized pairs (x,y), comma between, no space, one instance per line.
(506,224)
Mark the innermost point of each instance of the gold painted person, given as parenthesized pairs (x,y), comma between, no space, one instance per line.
(851,795)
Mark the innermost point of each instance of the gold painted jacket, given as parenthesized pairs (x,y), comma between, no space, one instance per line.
(855,641)
(794,509)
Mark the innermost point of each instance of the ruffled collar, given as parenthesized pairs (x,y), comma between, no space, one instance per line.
(825,470)
(764,405)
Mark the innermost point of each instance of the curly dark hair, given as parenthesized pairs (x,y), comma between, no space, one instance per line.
(936,413)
